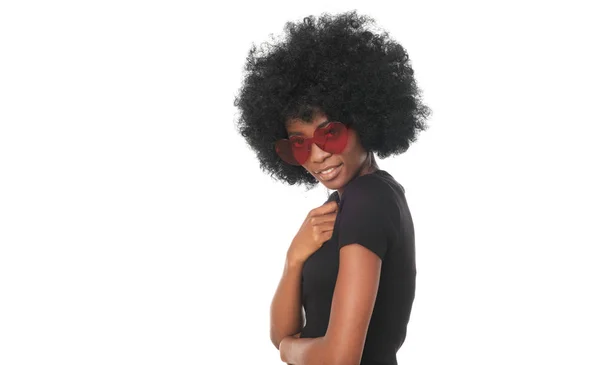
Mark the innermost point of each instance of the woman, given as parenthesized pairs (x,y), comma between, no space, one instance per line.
(315,108)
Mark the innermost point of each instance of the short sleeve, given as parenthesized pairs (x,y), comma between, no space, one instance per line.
(363,219)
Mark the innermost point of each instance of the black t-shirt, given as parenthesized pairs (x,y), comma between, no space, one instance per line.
(374,213)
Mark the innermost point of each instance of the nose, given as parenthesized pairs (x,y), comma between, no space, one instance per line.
(317,155)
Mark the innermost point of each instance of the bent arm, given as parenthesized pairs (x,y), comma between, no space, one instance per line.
(287,317)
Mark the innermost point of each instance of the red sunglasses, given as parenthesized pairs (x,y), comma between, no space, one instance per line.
(332,138)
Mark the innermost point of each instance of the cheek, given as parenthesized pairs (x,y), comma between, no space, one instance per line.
(308,169)
(351,144)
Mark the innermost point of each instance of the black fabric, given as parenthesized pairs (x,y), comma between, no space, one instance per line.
(372,212)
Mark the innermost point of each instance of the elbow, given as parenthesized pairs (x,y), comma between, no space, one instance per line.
(275,339)
(275,335)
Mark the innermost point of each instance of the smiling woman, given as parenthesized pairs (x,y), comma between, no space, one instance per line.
(349,158)
(317,108)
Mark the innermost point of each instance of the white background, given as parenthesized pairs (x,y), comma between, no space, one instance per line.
(137,228)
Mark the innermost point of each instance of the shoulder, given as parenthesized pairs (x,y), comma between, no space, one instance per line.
(368,190)
(365,214)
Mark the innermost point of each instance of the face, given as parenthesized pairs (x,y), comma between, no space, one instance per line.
(349,163)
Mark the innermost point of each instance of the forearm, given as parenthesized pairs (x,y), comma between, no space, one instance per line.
(305,351)
(286,307)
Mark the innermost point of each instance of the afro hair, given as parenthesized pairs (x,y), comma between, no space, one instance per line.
(334,65)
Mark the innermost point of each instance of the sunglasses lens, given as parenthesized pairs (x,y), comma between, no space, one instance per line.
(332,138)
(283,147)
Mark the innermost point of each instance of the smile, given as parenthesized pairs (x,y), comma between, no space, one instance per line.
(331,173)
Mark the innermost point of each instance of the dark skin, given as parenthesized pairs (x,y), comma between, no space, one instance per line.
(355,160)
(359,271)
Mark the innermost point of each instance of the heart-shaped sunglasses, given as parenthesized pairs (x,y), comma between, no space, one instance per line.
(295,151)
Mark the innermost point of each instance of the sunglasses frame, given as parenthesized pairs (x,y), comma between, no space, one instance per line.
(284,147)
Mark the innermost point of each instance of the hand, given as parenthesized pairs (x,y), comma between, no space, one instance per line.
(286,343)
(283,350)
(316,229)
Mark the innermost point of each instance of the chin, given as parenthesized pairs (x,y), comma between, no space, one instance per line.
(334,186)
(336,183)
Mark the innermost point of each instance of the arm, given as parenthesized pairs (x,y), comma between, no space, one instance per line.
(287,317)
(353,302)
(363,239)
(299,351)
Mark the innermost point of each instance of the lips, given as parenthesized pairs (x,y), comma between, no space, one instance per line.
(327,168)
(331,175)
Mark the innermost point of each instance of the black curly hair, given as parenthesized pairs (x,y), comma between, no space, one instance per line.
(336,66)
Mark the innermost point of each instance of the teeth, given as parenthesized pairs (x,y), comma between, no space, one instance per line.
(328,170)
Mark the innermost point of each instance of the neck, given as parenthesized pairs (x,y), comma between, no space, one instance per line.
(369,166)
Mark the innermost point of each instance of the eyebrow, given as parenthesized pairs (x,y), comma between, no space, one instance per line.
(299,134)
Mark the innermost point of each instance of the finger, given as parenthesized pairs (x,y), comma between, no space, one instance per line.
(328,218)
(326,227)
(326,236)
(329,207)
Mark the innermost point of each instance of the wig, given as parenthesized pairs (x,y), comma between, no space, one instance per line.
(337,66)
